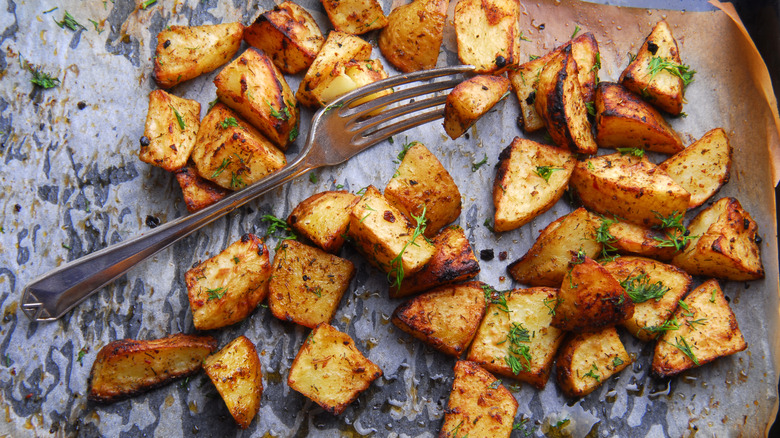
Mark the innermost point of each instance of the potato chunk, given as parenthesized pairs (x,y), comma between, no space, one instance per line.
(470,100)
(198,192)
(708,330)
(227,287)
(515,338)
(585,50)
(586,360)
(330,370)
(413,36)
(256,89)
(479,405)
(628,238)
(488,34)
(323,218)
(725,244)
(355,16)
(172,125)
(235,371)
(531,177)
(186,52)
(128,367)
(288,34)
(307,284)
(349,76)
(423,184)
(232,153)
(703,167)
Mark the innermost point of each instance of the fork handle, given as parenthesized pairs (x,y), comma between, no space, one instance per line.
(51,295)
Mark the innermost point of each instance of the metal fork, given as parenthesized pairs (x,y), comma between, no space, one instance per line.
(338,132)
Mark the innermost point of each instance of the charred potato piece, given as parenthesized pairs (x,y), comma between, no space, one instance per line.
(350,76)
(445,318)
(453,261)
(172,125)
(586,360)
(546,263)
(703,167)
(530,178)
(288,34)
(488,34)
(585,50)
(472,99)
(628,238)
(629,187)
(256,89)
(227,287)
(355,16)
(128,367)
(231,153)
(323,218)
(198,192)
(185,52)
(330,370)
(724,245)
(422,184)
(479,405)
(413,36)
(235,371)
(515,338)
(561,104)
(708,330)
(625,120)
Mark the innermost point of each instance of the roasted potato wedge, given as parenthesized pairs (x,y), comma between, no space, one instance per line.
(625,120)
(330,370)
(546,263)
(488,34)
(256,89)
(172,125)
(724,245)
(413,35)
(288,34)
(198,192)
(355,16)
(185,52)
(479,405)
(128,367)
(236,372)
(470,100)
(445,318)
(323,218)
(585,50)
(703,167)
(350,76)
(422,185)
(707,330)
(628,238)
(530,178)
(586,360)
(227,287)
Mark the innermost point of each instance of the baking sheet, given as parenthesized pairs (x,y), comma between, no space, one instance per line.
(72,184)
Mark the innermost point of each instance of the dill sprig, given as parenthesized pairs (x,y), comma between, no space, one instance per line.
(276,225)
(668,325)
(546,171)
(683,346)
(640,289)
(396,274)
(519,356)
(658,64)
(497,297)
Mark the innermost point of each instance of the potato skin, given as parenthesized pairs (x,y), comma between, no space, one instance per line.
(636,239)
(236,372)
(413,35)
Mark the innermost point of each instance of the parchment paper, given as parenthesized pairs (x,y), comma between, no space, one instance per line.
(72,184)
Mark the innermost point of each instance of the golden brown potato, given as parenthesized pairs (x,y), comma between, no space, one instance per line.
(235,371)
(198,192)
(530,178)
(707,330)
(724,244)
(323,218)
(256,89)
(630,187)
(515,338)
(479,405)
(546,263)
(413,35)
(349,76)
(307,284)
(330,370)
(420,184)
(628,238)
(586,360)
(654,288)
(703,167)
(585,50)
(288,34)
(172,125)
(227,287)
(625,120)
(185,52)
(128,367)
(472,99)
(445,318)
(232,153)
(648,75)
(488,34)
(561,104)
(355,16)
(590,299)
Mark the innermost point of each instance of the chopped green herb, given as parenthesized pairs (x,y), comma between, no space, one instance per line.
(640,290)
(390,140)
(213,102)
(562,423)
(496,297)
(551,304)
(631,57)
(605,237)
(524,38)
(7,360)
(282,115)
(591,109)
(81,354)
(616,362)
(69,22)
(683,346)
(236,181)
(405,149)
(315,290)
(313,178)
(489,225)
(712,297)
(496,383)
(686,310)
(185,382)
(532,57)
(396,273)
(590,166)
(592,373)
(339,186)
(178,118)
(331,107)
(456,430)
(40,78)
(576,31)
(51,10)
(596,67)
(214,294)
(228,122)
(668,325)
(225,163)
(637,152)
(679,236)
(476,166)
(517,337)
(293,134)
(658,64)
(98,28)
(236,260)
(147,3)
(66,246)
(692,322)
(276,225)
(546,171)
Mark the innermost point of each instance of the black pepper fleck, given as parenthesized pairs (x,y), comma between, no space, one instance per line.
(81,105)
(152,222)
(144,140)
(486,255)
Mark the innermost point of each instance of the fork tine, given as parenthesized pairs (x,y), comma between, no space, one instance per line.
(383,133)
(377,104)
(370,122)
